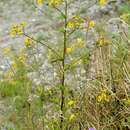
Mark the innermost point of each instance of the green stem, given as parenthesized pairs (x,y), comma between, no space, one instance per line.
(63,65)
(30,117)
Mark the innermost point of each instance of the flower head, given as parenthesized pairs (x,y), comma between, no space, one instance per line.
(28,41)
(91,24)
(70,24)
(40,2)
(103,96)
(22,58)
(102,2)
(71,103)
(17,29)
(55,2)
(102,40)
(23,24)
(75,22)
(69,50)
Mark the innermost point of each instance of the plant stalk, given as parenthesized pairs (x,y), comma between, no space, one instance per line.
(63,65)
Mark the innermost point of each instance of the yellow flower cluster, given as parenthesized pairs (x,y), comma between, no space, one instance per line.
(55,2)
(17,29)
(71,103)
(78,22)
(22,58)
(78,43)
(103,96)
(75,22)
(103,41)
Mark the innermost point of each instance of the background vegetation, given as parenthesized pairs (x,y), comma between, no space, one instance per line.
(65,65)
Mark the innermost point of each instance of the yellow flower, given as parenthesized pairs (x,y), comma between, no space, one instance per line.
(55,2)
(72,117)
(14,65)
(40,2)
(103,97)
(71,103)
(17,29)
(102,2)
(15,25)
(99,98)
(20,31)
(6,51)
(70,24)
(23,24)
(75,22)
(69,50)
(91,24)
(27,41)
(13,30)
(78,18)
(103,41)
(22,58)
(80,42)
